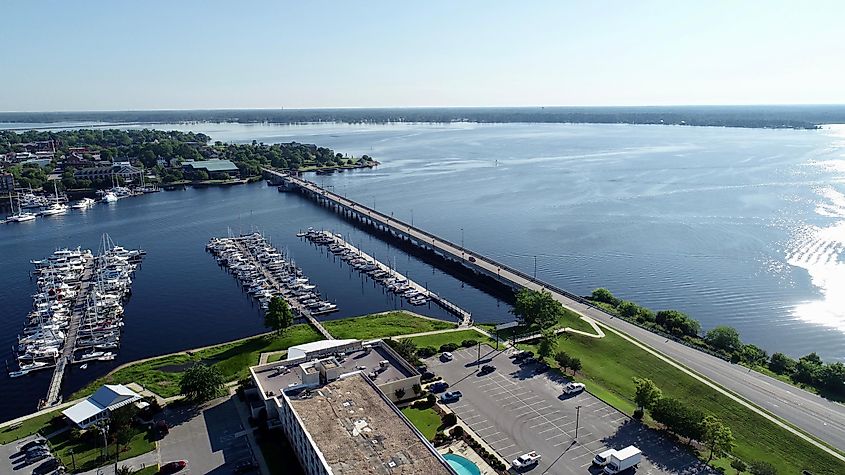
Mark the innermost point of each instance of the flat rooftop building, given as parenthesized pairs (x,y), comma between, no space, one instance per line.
(334,401)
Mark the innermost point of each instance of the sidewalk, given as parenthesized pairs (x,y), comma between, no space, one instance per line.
(135,463)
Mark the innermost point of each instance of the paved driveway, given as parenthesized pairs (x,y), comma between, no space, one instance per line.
(210,438)
(516,410)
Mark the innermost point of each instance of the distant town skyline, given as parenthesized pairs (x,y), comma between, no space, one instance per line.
(101,55)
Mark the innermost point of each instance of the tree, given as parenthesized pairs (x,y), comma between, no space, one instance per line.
(753,355)
(125,470)
(782,364)
(604,295)
(647,393)
(563,359)
(628,309)
(717,437)
(808,369)
(201,383)
(832,377)
(724,338)
(279,316)
(400,393)
(677,322)
(679,418)
(547,343)
(537,308)
(575,365)
(762,468)
(449,419)
(120,424)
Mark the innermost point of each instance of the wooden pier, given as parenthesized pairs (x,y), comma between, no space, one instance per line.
(66,356)
(464,316)
(294,304)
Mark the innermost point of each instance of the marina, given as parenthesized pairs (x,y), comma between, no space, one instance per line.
(265,273)
(77,311)
(385,275)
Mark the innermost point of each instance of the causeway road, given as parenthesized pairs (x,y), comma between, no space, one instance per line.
(812,414)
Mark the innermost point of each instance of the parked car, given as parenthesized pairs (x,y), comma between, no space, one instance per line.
(450,396)
(38,442)
(572,388)
(172,467)
(488,368)
(427,376)
(37,453)
(471,259)
(439,387)
(246,466)
(446,356)
(527,460)
(50,466)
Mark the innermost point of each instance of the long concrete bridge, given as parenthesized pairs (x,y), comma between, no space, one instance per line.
(814,415)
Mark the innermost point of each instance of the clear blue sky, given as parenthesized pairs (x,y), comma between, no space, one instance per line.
(114,55)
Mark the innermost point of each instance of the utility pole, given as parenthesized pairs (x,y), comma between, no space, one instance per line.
(577,420)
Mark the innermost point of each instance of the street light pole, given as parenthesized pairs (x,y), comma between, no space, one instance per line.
(577,420)
(535,267)
(462,242)
(412,216)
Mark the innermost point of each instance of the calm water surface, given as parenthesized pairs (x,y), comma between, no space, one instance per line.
(733,226)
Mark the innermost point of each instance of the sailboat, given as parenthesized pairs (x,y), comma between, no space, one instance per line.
(20,216)
(56,207)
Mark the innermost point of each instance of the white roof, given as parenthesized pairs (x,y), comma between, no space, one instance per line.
(627,452)
(300,351)
(109,396)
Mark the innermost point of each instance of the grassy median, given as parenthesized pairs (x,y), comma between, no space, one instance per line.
(611,363)
(384,325)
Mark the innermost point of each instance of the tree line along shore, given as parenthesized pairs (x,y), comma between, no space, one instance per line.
(80,158)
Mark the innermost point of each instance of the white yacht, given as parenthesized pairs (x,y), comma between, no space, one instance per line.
(83,203)
(109,197)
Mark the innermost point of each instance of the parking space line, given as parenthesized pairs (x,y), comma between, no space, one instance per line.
(505,447)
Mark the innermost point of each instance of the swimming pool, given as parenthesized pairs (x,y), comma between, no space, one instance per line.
(462,465)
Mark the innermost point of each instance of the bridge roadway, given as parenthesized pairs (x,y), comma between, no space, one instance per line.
(812,414)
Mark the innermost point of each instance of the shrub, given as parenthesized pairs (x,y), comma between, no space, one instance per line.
(400,393)
(457,432)
(449,419)
(426,352)
(738,465)
(638,413)
(431,399)
(469,343)
(416,388)
(762,468)
(448,347)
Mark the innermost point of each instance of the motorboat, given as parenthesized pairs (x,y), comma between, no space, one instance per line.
(109,197)
(84,203)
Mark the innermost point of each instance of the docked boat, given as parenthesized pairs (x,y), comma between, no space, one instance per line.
(20,216)
(56,207)
(84,203)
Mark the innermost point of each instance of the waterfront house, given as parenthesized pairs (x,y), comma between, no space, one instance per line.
(99,405)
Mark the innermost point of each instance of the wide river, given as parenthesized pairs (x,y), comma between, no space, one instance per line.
(742,227)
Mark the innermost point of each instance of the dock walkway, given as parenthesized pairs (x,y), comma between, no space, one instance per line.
(279,288)
(66,357)
(464,316)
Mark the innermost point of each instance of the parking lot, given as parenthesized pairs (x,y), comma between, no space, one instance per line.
(210,438)
(14,460)
(517,409)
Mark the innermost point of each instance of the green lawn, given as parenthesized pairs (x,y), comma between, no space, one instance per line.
(161,375)
(569,319)
(276,357)
(87,452)
(153,470)
(610,363)
(27,427)
(426,420)
(449,337)
(383,325)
